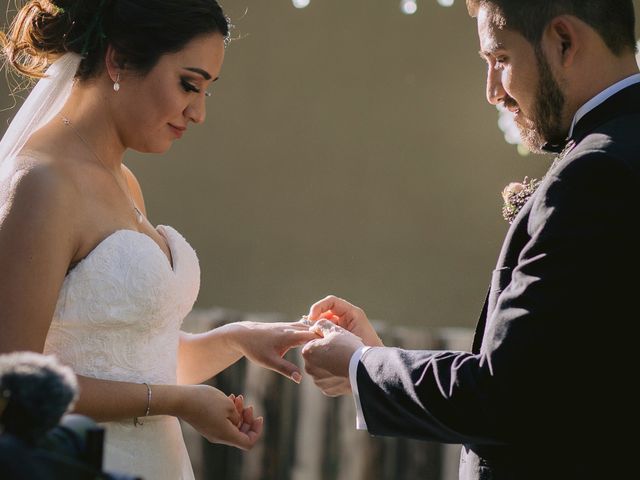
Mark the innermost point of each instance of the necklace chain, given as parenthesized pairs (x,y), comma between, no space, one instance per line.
(127,193)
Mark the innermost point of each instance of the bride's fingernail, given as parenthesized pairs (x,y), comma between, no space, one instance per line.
(296,377)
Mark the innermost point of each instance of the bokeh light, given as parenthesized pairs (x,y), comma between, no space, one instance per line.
(301,3)
(408,7)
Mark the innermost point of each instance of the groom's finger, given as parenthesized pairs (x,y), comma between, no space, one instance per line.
(315,359)
(317,373)
(324,328)
(337,305)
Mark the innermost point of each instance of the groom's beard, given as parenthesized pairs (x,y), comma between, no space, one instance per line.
(545,126)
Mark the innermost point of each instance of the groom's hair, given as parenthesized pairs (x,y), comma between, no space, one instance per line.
(614,20)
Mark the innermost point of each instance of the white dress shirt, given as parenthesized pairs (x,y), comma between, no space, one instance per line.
(601,97)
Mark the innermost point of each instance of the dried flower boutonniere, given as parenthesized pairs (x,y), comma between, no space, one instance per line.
(515,195)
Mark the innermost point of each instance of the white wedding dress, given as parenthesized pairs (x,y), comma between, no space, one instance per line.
(118,317)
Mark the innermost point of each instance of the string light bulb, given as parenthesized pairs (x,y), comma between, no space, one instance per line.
(446,3)
(408,7)
(301,3)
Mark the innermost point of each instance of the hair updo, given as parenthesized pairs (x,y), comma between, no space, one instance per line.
(140,31)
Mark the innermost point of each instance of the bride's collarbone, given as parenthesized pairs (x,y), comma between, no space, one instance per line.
(101,208)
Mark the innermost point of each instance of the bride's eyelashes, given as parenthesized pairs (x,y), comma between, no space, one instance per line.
(190,88)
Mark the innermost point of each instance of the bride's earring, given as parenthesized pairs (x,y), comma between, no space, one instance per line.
(116,84)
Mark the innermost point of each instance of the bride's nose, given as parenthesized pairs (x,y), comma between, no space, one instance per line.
(196,111)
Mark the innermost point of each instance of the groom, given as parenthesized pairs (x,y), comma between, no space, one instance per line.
(546,389)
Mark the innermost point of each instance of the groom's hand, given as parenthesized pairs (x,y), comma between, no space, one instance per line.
(327,358)
(347,316)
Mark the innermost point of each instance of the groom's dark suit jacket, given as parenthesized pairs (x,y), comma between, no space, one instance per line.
(547,389)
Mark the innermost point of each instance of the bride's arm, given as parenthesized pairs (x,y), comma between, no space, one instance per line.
(202,356)
(37,243)
(217,417)
(107,400)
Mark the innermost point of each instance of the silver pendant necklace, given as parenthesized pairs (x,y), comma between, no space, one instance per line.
(127,193)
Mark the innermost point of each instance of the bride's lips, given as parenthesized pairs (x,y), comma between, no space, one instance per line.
(177,131)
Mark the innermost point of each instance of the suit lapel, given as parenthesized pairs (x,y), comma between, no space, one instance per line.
(625,102)
(514,241)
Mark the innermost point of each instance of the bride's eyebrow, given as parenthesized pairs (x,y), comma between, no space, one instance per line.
(206,75)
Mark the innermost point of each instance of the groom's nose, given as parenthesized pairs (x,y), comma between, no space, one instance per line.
(495,90)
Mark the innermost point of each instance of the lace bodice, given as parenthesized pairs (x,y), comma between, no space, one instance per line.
(120,309)
(118,317)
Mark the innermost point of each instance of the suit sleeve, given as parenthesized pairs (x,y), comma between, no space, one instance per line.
(547,362)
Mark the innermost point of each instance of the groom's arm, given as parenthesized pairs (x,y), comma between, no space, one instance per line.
(546,364)
(392,399)
(418,394)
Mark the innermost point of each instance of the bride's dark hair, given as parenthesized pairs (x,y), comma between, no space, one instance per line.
(140,31)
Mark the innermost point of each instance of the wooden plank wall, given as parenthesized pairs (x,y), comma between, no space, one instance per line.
(309,436)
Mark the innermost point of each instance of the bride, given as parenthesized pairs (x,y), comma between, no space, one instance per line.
(84,275)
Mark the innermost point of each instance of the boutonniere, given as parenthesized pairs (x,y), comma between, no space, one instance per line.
(515,195)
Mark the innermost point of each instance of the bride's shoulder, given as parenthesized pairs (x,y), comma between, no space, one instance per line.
(36,181)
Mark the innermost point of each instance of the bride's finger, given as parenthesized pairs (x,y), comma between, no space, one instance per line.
(235,417)
(256,430)
(247,419)
(274,361)
(232,435)
(247,415)
(239,404)
(293,338)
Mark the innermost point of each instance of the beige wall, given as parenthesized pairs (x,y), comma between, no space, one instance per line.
(348,149)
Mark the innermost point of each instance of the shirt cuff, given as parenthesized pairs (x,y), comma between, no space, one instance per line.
(353,379)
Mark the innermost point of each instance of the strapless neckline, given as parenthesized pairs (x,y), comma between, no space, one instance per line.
(170,263)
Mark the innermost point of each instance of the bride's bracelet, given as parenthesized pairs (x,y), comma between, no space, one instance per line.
(136,421)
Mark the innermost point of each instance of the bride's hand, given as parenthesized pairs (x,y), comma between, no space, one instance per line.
(347,316)
(220,418)
(266,344)
(247,421)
